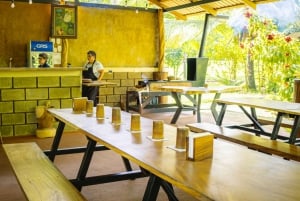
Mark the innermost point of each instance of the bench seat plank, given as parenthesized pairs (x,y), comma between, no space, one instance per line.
(278,148)
(38,176)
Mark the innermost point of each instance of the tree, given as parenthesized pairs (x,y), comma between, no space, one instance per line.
(182,39)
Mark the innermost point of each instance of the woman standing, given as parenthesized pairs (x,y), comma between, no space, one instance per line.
(93,70)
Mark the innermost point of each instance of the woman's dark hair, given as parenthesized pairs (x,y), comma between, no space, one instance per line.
(44,56)
(91,52)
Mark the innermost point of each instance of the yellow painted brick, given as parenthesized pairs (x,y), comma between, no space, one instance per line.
(24,82)
(127,83)
(12,119)
(36,94)
(66,103)
(132,75)
(70,81)
(31,118)
(12,94)
(6,107)
(59,93)
(102,99)
(5,82)
(108,76)
(75,92)
(113,98)
(48,81)
(28,129)
(109,104)
(120,90)
(7,131)
(106,91)
(120,75)
(25,106)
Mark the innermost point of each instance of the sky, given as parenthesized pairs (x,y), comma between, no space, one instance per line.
(282,12)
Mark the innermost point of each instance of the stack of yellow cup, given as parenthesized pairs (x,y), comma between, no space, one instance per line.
(116,115)
(158,130)
(135,122)
(100,111)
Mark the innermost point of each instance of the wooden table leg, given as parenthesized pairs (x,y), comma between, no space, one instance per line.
(86,160)
(59,131)
(153,186)
(176,97)
(221,114)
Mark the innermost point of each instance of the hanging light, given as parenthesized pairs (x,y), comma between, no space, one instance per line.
(30,1)
(136,5)
(12,5)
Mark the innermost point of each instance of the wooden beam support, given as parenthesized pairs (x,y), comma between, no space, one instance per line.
(250,3)
(176,14)
(196,3)
(209,9)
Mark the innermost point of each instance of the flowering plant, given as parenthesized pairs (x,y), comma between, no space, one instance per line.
(275,56)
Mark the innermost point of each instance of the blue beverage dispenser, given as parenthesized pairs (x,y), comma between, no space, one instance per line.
(37,47)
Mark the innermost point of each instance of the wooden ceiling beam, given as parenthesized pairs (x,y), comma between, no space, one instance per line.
(196,3)
(250,3)
(209,9)
(176,14)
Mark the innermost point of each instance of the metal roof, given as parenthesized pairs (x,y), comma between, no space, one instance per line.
(185,8)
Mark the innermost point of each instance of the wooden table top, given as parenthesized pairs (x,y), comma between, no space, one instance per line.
(97,83)
(201,90)
(278,106)
(234,172)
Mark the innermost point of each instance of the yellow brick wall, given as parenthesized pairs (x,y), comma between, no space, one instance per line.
(59,86)
(22,90)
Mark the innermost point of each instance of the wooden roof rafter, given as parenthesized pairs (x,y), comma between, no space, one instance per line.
(184,8)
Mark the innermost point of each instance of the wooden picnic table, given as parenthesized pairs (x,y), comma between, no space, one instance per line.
(282,108)
(177,91)
(233,173)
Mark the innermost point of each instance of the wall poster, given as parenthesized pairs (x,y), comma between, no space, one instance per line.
(64,21)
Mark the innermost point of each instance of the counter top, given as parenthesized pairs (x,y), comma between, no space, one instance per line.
(40,69)
(40,72)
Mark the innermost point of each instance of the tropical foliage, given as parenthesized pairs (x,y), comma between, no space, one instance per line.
(267,58)
(260,57)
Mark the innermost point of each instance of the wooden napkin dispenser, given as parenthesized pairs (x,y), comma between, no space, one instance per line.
(199,146)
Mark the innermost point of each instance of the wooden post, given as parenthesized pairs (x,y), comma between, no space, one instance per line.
(64,52)
(161,99)
(161,40)
(297,90)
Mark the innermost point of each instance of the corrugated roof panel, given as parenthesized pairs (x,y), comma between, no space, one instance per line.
(185,8)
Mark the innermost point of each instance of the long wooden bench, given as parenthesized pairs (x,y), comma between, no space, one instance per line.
(38,177)
(285,150)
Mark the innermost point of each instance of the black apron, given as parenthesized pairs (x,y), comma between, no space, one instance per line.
(89,74)
(90,92)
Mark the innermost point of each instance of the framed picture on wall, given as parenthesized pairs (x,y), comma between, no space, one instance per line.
(64,21)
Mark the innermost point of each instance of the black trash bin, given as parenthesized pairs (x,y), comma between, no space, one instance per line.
(196,70)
